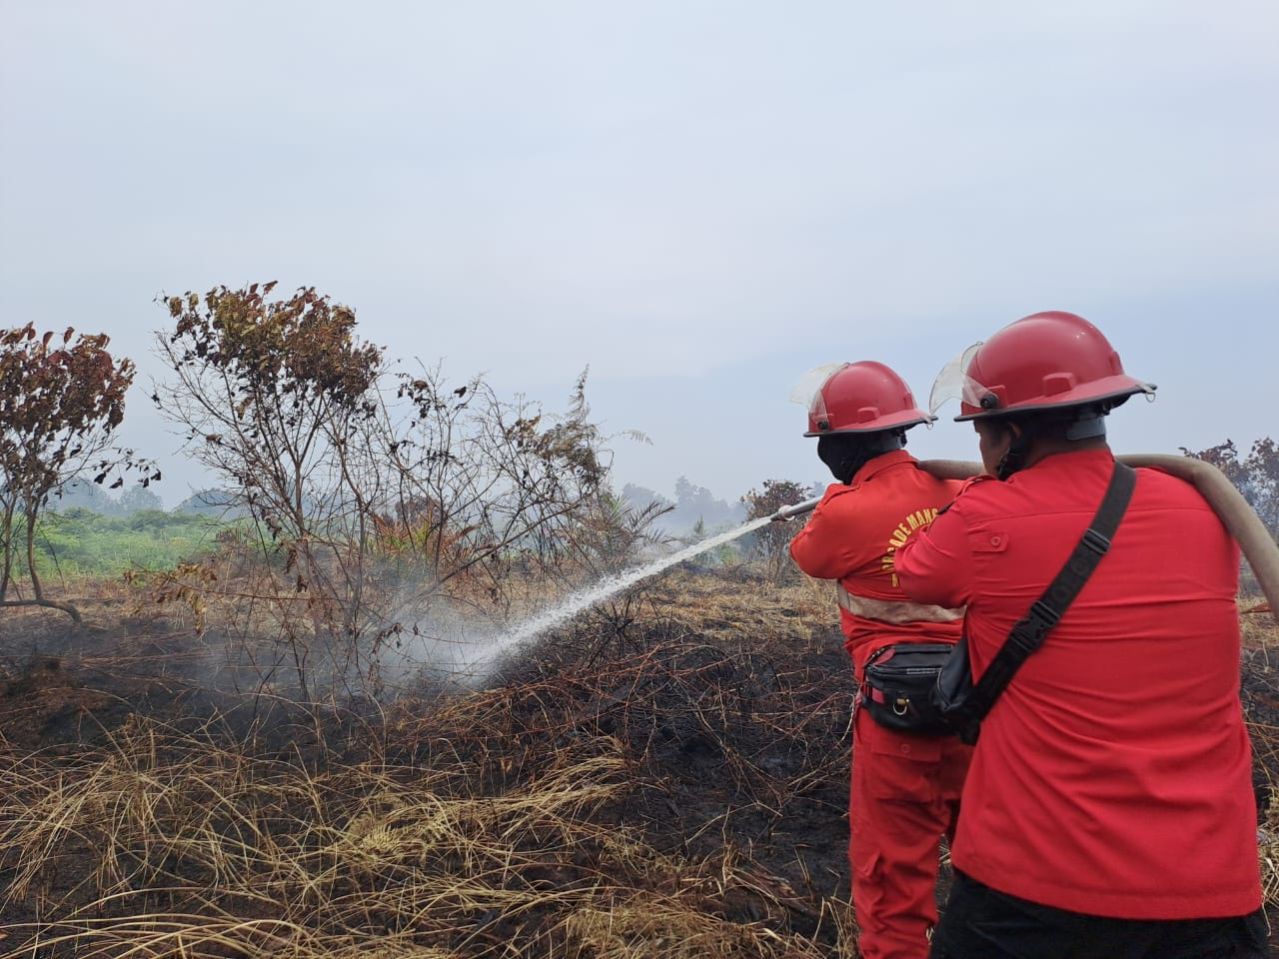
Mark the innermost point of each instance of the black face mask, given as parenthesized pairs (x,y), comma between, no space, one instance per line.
(1014,459)
(845,453)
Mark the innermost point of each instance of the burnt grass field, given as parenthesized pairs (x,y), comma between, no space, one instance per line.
(663,779)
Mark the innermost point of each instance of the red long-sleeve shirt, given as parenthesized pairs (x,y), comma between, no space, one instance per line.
(1112,777)
(853,536)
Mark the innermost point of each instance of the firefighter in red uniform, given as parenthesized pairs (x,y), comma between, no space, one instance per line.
(1109,810)
(905,786)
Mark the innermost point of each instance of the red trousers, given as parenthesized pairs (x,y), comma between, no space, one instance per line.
(905,796)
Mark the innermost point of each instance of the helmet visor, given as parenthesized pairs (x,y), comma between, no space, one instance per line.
(954,383)
(808,391)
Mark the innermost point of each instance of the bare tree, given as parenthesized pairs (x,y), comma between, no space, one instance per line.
(61,400)
(270,395)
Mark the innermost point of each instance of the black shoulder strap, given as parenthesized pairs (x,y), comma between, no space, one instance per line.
(1029,633)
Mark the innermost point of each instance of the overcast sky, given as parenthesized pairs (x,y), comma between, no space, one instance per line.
(699,200)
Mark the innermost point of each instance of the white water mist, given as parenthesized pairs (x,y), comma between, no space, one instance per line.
(470,656)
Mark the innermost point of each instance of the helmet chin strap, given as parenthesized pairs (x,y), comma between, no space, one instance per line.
(845,453)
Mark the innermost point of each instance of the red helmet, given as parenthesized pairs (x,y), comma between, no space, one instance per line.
(864,397)
(1043,361)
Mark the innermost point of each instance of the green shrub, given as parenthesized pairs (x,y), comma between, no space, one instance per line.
(86,543)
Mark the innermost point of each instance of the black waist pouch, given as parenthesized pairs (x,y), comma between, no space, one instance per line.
(952,697)
(897,687)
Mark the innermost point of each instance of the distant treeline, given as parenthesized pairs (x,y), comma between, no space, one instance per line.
(692,505)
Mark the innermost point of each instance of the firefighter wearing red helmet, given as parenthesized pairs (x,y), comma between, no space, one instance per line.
(905,786)
(1109,808)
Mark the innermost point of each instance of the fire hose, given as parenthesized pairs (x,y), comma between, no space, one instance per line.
(1258,546)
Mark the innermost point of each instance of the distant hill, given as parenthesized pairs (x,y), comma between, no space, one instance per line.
(81,494)
(212,502)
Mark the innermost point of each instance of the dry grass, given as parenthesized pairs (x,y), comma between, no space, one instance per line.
(167,845)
